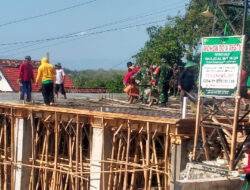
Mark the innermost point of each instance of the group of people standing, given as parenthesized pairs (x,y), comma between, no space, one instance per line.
(167,79)
(45,75)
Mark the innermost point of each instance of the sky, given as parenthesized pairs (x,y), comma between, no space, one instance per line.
(86,34)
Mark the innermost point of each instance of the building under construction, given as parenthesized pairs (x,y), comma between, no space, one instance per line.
(109,144)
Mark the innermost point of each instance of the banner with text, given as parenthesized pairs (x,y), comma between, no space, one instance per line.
(220,66)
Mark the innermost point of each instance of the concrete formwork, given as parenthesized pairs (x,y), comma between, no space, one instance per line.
(63,148)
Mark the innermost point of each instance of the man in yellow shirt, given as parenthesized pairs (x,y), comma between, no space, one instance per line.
(45,73)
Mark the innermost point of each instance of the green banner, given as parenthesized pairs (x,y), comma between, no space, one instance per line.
(220,66)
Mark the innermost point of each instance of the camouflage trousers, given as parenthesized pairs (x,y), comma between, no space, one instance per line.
(163,91)
(141,91)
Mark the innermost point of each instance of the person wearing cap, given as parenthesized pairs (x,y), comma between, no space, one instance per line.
(45,74)
(25,77)
(246,169)
(60,78)
(164,74)
(186,81)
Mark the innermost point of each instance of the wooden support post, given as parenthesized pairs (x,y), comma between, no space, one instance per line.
(234,137)
(111,164)
(45,180)
(204,139)
(103,157)
(5,154)
(197,128)
(166,158)
(117,158)
(12,149)
(147,157)
(31,184)
(132,186)
(127,158)
(56,151)
(81,161)
(156,164)
(77,151)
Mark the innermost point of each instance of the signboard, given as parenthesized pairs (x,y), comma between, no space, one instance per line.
(221,58)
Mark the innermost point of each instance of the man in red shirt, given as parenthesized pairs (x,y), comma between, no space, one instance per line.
(25,76)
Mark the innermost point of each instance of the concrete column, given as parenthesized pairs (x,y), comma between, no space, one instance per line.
(179,159)
(23,151)
(99,143)
(96,154)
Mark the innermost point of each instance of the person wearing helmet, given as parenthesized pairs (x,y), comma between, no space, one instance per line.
(46,73)
(25,77)
(60,78)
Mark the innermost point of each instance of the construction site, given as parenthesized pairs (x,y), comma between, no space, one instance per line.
(102,142)
(183,122)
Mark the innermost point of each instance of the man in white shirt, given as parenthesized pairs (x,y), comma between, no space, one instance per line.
(60,77)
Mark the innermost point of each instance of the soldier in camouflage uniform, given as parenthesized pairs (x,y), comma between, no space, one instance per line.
(144,76)
(174,81)
(163,83)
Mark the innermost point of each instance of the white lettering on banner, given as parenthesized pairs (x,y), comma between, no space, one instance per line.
(222,48)
(221,76)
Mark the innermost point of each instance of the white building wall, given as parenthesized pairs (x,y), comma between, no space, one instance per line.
(4,85)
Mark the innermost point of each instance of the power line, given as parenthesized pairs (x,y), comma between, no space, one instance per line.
(94,33)
(46,14)
(70,35)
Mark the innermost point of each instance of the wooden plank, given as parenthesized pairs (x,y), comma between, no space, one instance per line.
(36,108)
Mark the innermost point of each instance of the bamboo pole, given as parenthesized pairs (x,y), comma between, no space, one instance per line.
(204,139)
(166,157)
(127,157)
(150,172)
(12,148)
(234,137)
(77,150)
(103,156)
(147,156)
(56,150)
(197,127)
(31,184)
(45,182)
(157,166)
(80,146)
(121,166)
(111,164)
(118,157)
(132,185)
(5,154)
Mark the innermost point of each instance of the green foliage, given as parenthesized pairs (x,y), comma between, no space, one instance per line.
(113,79)
(180,38)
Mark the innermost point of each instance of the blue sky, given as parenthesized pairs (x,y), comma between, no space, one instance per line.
(106,47)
